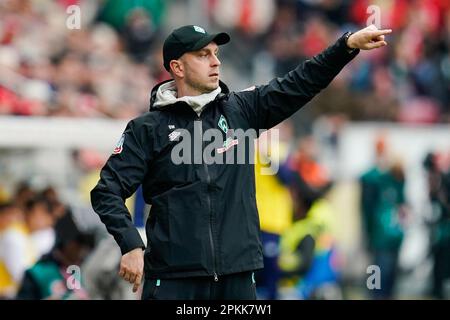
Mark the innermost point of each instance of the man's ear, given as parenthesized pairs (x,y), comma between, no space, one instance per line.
(177,68)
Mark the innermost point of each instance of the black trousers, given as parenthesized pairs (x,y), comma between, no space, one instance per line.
(237,286)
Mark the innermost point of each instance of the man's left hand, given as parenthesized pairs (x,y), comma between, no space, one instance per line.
(368,38)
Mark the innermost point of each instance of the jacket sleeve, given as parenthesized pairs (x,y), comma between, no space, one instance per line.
(266,106)
(120,177)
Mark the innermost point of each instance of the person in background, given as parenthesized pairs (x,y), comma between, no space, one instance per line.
(39,222)
(23,193)
(389,220)
(16,250)
(369,190)
(439,195)
(309,259)
(58,209)
(274,207)
(57,275)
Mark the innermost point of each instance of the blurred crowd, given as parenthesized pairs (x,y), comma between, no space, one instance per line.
(52,250)
(100,70)
(303,256)
(36,226)
(108,67)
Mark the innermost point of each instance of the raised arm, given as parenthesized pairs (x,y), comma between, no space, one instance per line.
(270,104)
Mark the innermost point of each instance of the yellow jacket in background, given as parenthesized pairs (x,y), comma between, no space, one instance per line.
(273,200)
(9,286)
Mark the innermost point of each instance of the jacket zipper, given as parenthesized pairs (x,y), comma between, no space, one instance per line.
(211,240)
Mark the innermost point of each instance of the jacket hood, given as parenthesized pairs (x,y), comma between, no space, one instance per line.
(154,95)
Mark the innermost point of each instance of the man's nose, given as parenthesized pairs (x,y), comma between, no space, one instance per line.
(215,61)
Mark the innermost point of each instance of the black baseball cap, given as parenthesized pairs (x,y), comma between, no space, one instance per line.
(189,38)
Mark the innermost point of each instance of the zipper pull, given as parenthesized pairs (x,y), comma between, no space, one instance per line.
(216,278)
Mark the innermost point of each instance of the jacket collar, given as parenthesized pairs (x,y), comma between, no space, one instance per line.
(154,91)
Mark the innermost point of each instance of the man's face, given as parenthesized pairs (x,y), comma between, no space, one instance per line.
(39,218)
(201,69)
(75,253)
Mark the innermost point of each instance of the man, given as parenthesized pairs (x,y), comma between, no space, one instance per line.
(203,229)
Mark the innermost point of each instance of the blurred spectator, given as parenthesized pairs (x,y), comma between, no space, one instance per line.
(383,209)
(370,191)
(23,194)
(17,252)
(50,277)
(3,195)
(248,16)
(389,218)
(116,12)
(439,195)
(57,208)
(308,248)
(282,39)
(102,281)
(39,221)
(304,163)
(274,204)
(139,34)
(7,218)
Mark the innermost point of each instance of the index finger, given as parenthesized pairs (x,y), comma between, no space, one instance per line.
(381,32)
(137,282)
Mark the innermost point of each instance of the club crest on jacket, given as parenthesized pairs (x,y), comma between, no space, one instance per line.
(119,146)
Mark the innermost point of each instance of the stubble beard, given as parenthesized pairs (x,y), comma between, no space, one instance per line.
(201,87)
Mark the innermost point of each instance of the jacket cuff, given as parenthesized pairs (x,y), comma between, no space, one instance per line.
(344,51)
(130,240)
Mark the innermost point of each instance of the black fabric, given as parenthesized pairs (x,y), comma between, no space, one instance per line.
(238,286)
(67,230)
(29,288)
(203,220)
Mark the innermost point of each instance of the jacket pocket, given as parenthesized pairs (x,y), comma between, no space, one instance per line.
(158,234)
(188,222)
(179,230)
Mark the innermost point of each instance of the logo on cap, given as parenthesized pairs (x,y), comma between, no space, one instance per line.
(199,29)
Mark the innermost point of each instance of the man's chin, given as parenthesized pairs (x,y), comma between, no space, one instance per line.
(216,85)
(211,88)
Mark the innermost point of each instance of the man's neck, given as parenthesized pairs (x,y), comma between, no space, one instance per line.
(184,90)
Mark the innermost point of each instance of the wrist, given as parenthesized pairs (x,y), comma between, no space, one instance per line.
(348,39)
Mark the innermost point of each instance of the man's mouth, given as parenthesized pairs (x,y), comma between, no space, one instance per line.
(214,75)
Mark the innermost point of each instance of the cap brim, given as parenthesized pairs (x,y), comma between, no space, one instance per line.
(218,38)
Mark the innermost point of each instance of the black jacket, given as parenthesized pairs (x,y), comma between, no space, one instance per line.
(203,220)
